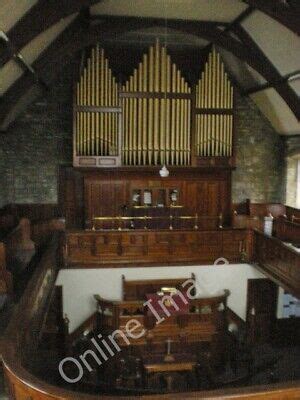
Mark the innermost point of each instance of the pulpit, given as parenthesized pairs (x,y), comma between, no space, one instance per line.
(173,325)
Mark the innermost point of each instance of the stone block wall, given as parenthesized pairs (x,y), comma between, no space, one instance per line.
(259,175)
(292,146)
(41,139)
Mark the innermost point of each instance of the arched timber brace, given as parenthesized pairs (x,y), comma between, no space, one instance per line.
(77,36)
(287,13)
(41,16)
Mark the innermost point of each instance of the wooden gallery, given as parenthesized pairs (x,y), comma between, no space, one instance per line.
(150,199)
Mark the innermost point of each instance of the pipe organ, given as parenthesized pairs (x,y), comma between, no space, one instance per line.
(156,113)
(97,114)
(156,117)
(214,110)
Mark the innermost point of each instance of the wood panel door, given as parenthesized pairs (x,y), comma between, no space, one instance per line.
(261,310)
(204,197)
(103,198)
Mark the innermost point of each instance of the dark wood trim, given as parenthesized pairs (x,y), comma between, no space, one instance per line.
(238,20)
(269,71)
(77,36)
(38,18)
(221,111)
(158,95)
(286,78)
(97,109)
(232,316)
(287,15)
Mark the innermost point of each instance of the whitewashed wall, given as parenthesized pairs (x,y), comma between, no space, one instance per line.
(79,285)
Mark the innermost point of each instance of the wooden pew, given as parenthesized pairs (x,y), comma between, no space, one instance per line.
(19,246)
(287,231)
(6,287)
(40,231)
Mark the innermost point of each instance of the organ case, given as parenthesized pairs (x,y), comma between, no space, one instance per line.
(156,117)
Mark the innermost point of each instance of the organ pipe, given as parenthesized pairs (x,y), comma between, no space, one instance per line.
(214,100)
(162,134)
(156,114)
(96,128)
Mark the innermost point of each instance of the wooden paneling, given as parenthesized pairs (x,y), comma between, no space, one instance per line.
(103,198)
(70,197)
(280,262)
(86,193)
(157,247)
(287,231)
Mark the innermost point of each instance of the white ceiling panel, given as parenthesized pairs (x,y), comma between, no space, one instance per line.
(277,112)
(279,44)
(209,10)
(12,71)
(11,11)
(295,85)
(32,50)
(8,75)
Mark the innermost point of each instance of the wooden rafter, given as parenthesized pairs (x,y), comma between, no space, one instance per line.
(43,15)
(287,12)
(286,78)
(269,71)
(77,35)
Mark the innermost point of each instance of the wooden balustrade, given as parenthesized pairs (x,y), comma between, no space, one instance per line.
(91,248)
(287,231)
(279,261)
(23,332)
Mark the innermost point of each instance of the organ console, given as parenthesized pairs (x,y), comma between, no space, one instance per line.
(156,117)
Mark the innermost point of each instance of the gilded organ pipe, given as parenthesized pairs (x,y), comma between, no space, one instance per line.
(214,110)
(97,96)
(155,106)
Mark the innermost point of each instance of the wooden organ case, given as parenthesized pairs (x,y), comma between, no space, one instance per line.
(156,117)
(125,132)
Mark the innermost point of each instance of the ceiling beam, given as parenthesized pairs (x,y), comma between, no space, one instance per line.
(287,12)
(285,79)
(38,18)
(78,35)
(269,71)
(238,20)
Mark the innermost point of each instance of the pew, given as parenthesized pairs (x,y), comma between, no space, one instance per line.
(5,276)
(251,215)
(287,231)
(19,246)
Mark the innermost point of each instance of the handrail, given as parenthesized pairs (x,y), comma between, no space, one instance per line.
(23,384)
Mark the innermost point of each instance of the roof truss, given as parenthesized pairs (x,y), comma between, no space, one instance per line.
(79,34)
(287,12)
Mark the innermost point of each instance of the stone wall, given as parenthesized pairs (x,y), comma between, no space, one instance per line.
(36,144)
(33,148)
(259,175)
(292,146)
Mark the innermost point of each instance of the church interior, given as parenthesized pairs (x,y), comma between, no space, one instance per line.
(149,199)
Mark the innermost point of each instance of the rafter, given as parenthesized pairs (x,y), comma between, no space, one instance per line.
(270,72)
(286,78)
(78,36)
(287,12)
(40,17)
